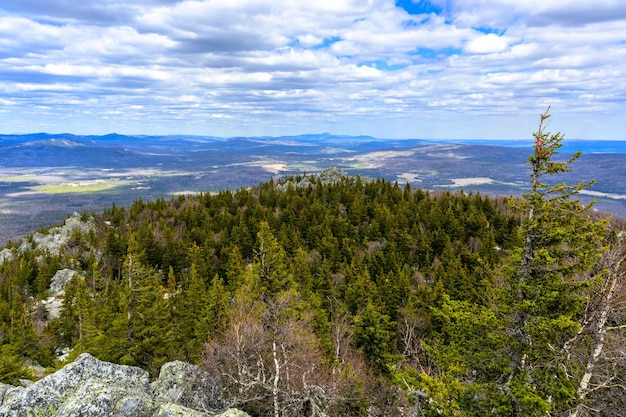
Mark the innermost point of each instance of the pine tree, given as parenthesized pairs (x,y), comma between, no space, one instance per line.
(75,312)
(509,355)
(561,243)
(21,332)
(373,334)
(214,311)
(150,330)
(12,365)
(189,303)
(271,262)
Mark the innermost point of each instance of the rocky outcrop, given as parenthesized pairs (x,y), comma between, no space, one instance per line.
(60,280)
(54,303)
(327,176)
(89,387)
(6,255)
(57,237)
(180,383)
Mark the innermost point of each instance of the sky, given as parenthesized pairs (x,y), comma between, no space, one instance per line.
(438,69)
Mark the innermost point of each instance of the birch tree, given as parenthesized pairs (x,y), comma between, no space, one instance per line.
(268,361)
(599,344)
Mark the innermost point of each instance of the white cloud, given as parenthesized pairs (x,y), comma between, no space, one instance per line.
(504,13)
(351,66)
(487,44)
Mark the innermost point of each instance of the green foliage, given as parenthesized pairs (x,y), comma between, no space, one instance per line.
(436,396)
(150,331)
(468,340)
(175,264)
(367,285)
(12,367)
(374,335)
(546,295)
(508,350)
(271,262)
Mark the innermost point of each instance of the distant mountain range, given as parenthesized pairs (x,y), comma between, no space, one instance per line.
(44,177)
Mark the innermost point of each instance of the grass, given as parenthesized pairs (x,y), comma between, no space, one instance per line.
(53,181)
(79,187)
(18,178)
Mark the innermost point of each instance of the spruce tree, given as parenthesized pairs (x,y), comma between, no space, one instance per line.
(545,297)
(12,368)
(509,355)
(271,262)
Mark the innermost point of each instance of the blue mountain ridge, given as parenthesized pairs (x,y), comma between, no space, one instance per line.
(569,145)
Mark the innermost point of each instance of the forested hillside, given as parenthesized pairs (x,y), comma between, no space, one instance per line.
(339,295)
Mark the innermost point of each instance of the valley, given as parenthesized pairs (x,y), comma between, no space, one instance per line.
(46,177)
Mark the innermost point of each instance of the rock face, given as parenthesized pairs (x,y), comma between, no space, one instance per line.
(89,387)
(6,255)
(53,304)
(187,385)
(57,237)
(327,176)
(60,280)
(52,241)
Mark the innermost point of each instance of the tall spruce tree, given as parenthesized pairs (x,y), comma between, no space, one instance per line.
(271,262)
(545,299)
(521,364)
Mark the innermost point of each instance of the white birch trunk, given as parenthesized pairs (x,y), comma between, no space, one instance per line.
(276,380)
(599,335)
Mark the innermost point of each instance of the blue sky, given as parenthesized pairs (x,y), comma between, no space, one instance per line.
(440,69)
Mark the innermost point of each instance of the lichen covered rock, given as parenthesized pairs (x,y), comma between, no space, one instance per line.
(6,255)
(233,412)
(187,385)
(7,392)
(60,280)
(57,237)
(89,387)
(176,410)
(86,379)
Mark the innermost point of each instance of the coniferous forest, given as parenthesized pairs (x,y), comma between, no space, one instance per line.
(343,296)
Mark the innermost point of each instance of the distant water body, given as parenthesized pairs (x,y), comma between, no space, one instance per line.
(569,145)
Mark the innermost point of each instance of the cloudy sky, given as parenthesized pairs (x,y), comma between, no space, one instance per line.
(406,69)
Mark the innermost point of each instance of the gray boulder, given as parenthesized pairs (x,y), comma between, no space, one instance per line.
(85,387)
(89,387)
(60,280)
(7,392)
(175,382)
(6,255)
(53,306)
(54,303)
(187,385)
(176,410)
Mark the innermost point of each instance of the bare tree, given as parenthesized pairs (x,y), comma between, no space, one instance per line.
(412,329)
(269,360)
(599,345)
